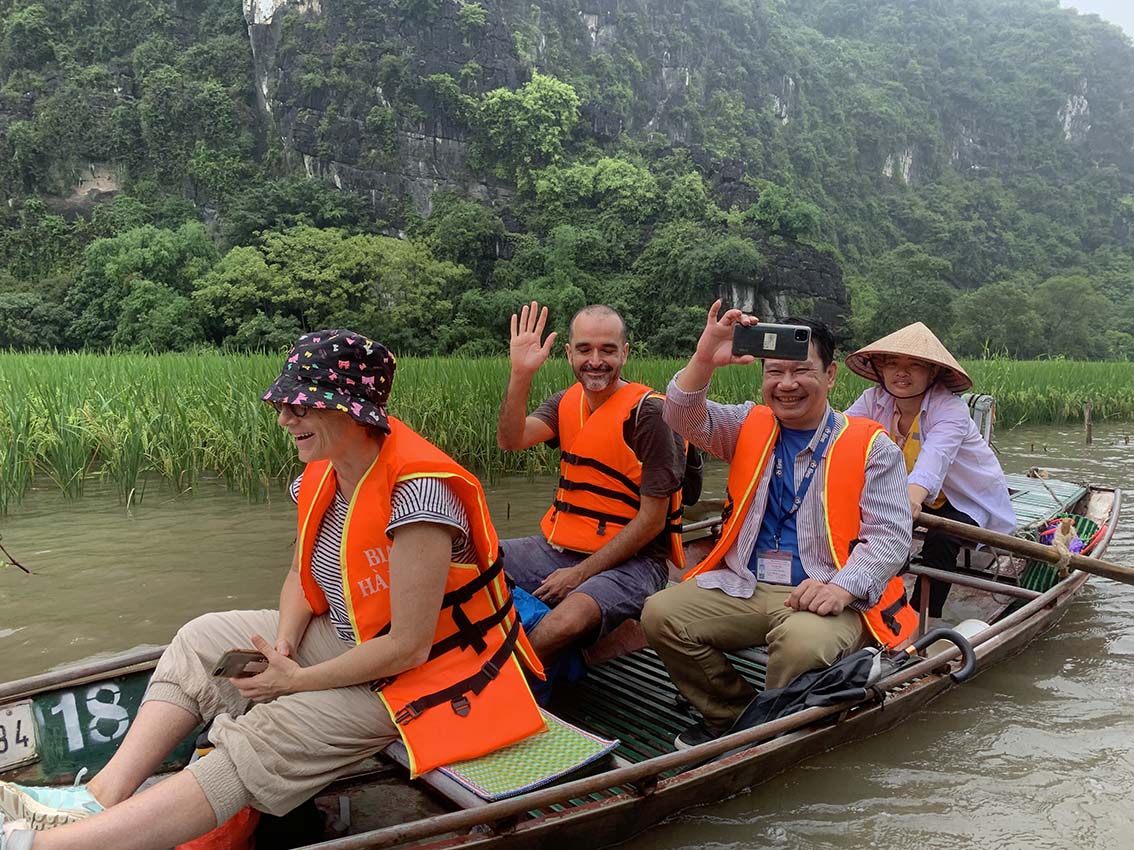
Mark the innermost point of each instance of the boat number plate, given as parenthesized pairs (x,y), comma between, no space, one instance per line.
(17,735)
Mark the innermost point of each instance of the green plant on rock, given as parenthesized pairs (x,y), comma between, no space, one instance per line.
(525,130)
(471,17)
(382,130)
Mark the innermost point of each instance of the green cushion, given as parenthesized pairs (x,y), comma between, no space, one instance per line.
(531,763)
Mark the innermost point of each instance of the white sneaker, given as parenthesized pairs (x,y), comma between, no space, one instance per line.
(694,735)
(15,835)
(46,807)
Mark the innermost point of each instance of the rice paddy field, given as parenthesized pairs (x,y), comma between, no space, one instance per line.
(138,421)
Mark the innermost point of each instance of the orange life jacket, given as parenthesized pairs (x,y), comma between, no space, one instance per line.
(600,477)
(891,621)
(470,697)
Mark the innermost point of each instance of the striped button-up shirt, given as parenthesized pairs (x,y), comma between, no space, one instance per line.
(886,530)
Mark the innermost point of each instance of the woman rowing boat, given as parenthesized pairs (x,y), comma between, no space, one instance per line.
(952,471)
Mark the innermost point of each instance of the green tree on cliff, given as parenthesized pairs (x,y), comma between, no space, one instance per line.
(524,130)
(910,286)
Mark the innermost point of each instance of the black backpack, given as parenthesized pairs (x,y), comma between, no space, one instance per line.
(694,476)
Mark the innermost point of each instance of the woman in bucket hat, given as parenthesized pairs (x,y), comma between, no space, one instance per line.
(394,621)
(952,471)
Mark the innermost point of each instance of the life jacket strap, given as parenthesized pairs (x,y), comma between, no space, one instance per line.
(729,507)
(601,516)
(673,523)
(471,634)
(465,592)
(585,487)
(470,588)
(468,633)
(889,614)
(582,460)
(456,694)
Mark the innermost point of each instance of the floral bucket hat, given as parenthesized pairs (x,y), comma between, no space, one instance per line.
(337,370)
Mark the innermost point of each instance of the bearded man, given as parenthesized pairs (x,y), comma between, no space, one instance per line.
(615,518)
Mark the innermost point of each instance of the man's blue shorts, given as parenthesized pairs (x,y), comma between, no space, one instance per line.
(619,592)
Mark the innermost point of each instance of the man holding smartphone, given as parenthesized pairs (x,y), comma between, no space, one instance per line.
(616,513)
(817,526)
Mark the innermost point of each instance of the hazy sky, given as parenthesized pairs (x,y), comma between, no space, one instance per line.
(1119,12)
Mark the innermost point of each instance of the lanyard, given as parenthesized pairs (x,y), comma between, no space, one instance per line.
(779,487)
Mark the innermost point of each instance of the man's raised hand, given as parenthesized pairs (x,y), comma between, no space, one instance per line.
(526,350)
(715,344)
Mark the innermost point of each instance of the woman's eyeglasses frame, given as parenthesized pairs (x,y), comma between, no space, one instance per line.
(296,410)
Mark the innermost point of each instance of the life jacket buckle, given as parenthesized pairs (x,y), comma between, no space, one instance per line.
(406,714)
(490,670)
(602,528)
(379,684)
(461,706)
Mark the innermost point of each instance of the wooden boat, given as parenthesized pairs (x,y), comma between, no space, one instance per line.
(55,723)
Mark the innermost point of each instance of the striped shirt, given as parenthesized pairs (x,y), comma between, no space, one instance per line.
(886,530)
(417,500)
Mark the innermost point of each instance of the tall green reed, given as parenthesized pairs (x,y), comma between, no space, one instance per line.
(129,418)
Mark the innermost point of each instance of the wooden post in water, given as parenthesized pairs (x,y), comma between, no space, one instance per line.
(1087,419)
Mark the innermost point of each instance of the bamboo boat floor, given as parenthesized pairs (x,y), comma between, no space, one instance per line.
(632,699)
(1037,499)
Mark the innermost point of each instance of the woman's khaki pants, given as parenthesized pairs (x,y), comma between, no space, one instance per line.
(270,755)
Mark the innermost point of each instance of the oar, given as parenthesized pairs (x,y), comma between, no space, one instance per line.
(1026,548)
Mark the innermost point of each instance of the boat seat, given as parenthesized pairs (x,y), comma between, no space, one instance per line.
(982,408)
(755,654)
(543,759)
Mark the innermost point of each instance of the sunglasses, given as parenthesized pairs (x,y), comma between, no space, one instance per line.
(296,410)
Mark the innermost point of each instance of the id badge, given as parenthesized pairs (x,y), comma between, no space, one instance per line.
(773,566)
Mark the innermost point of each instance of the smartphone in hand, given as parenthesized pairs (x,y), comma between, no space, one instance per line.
(769,341)
(231,665)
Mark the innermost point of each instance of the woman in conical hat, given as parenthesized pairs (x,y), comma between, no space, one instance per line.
(952,471)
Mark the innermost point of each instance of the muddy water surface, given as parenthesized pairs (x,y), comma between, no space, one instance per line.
(1036,753)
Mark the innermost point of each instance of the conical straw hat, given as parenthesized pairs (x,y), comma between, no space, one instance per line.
(918,341)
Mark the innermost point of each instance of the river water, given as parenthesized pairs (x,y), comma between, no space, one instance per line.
(1035,753)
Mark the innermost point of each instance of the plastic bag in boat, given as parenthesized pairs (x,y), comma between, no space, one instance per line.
(236,833)
(568,667)
(849,679)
